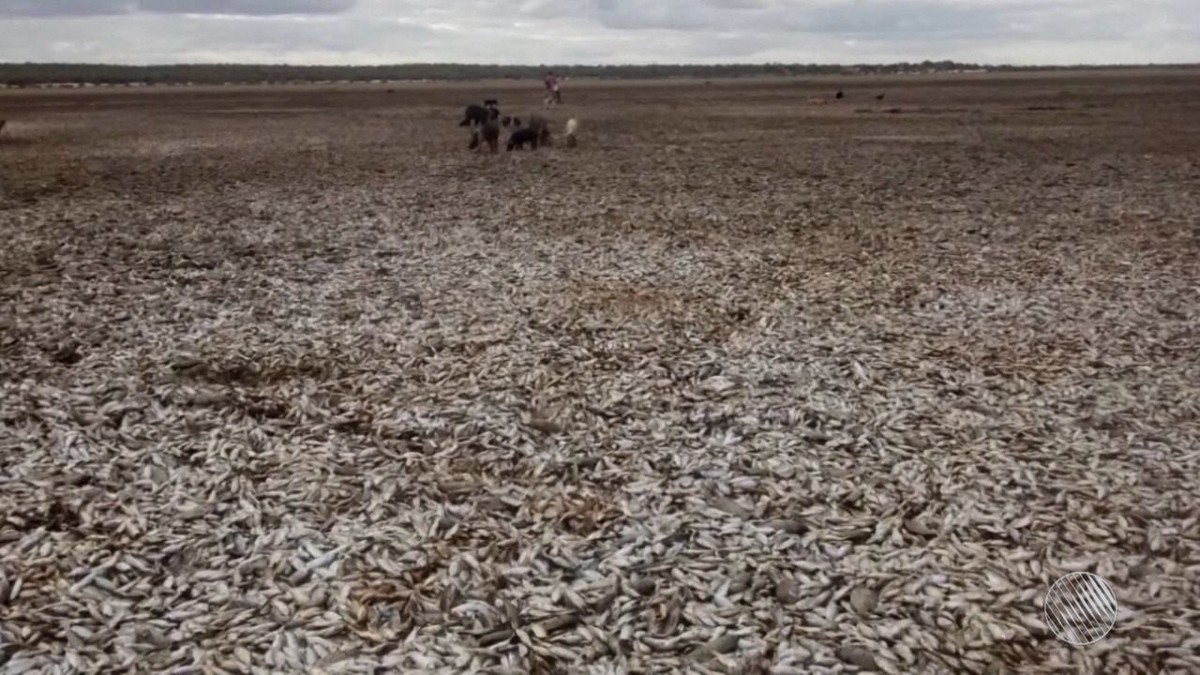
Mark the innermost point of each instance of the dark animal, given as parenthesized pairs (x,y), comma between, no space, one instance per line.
(839,94)
(505,121)
(519,138)
(493,107)
(879,97)
(475,115)
(516,121)
(491,135)
(541,127)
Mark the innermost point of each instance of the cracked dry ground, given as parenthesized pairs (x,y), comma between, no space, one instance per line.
(292,382)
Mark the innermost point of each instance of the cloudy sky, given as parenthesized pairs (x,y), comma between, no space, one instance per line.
(600,31)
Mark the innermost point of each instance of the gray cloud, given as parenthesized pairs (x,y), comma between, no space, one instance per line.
(246,7)
(599,31)
(875,19)
(52,8)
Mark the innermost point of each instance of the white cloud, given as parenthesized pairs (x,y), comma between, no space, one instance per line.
(50,8)
(598,31)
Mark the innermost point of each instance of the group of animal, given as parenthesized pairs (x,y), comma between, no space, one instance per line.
(485,122)
(840,95)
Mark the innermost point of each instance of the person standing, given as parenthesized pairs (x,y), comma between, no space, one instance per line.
(553,95)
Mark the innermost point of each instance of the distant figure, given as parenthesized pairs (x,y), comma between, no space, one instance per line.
(879,97)
(839,95)
(553,95)
(505,121)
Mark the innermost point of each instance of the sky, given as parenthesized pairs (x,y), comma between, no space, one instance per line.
(358,32)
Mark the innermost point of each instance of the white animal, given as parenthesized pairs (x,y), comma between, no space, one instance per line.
(572,127)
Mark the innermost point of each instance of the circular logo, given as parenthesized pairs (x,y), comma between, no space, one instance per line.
(1080,608)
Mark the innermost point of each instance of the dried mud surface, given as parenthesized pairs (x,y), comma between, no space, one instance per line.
(292,381)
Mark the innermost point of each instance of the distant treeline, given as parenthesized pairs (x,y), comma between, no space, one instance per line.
(31,74)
